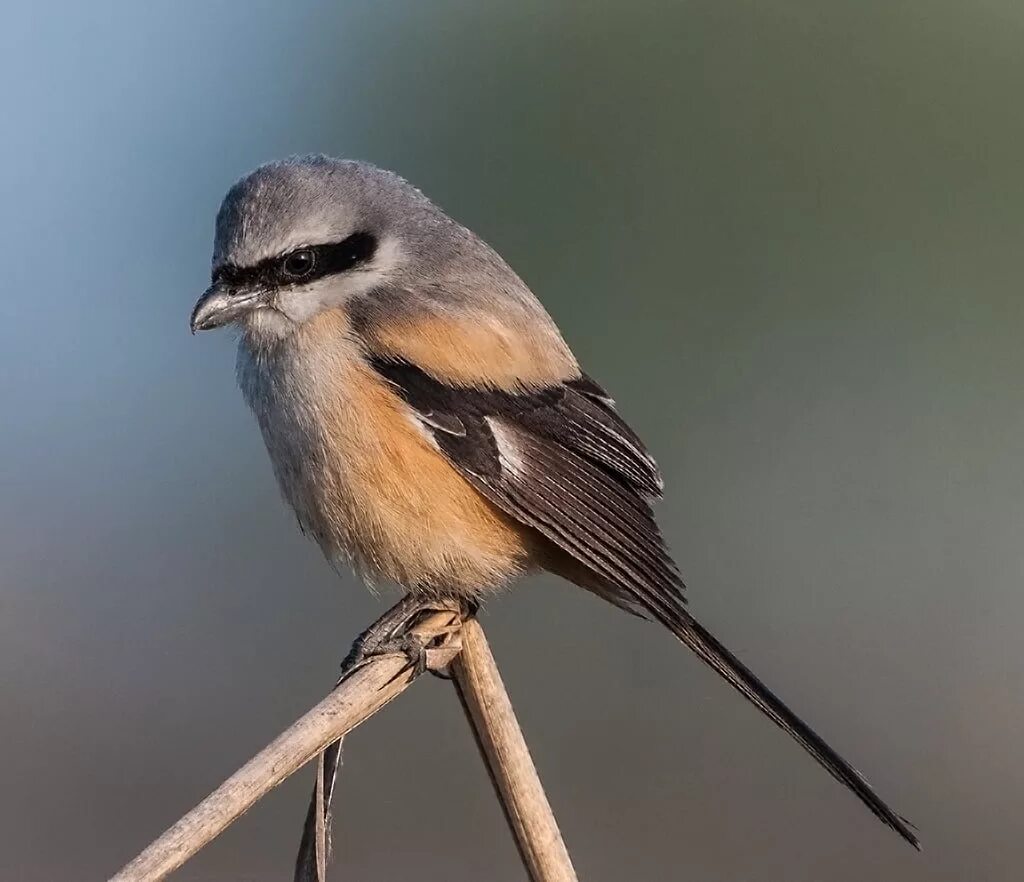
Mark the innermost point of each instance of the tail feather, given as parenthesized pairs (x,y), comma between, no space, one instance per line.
(740,677)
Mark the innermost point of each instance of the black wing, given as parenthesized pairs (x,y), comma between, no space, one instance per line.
(562,461)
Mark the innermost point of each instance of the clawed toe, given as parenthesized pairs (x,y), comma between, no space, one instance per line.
(392,634)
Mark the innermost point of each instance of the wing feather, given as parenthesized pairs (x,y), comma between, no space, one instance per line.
(555,459)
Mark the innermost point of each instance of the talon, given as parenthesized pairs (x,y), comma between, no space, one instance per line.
(390,635)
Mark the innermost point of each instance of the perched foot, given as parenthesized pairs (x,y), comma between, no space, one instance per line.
(394,634)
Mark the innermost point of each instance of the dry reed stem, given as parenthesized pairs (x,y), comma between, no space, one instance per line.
(359,694)
(508,759)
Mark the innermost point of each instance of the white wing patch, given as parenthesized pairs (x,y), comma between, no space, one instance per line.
(508,455)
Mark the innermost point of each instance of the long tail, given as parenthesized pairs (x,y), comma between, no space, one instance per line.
(739,676)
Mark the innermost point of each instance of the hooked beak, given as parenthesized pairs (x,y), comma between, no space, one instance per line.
(220,306)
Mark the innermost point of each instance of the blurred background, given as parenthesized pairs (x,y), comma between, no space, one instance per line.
(785,236)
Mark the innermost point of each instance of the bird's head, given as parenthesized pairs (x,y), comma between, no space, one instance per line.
(308,234)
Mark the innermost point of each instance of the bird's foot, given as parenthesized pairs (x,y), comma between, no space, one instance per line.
(399,632)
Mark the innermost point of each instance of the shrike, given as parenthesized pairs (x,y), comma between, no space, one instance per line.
(427,421)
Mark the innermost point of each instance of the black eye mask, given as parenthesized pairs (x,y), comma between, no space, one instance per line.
(301,266)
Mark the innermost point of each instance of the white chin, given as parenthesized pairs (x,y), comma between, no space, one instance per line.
(266,325)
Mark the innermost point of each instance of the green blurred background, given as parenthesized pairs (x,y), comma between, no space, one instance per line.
(785,235)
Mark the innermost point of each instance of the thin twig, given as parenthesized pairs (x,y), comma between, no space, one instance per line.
(504,750)
(358,696)
(363,690)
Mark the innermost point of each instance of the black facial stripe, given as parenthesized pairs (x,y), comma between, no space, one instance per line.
(338,257)
(330,259)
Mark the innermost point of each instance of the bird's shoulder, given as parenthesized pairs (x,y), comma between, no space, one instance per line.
(472,374)
(478,340)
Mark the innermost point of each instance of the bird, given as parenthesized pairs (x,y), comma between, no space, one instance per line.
(426,420)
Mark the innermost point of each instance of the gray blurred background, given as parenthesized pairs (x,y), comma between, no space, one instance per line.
(785,235)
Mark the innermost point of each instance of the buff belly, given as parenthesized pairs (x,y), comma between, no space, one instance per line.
(367,483)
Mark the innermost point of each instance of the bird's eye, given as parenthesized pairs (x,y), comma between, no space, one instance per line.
(299,264)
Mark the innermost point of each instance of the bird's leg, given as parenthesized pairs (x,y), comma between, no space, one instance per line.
(393,634)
